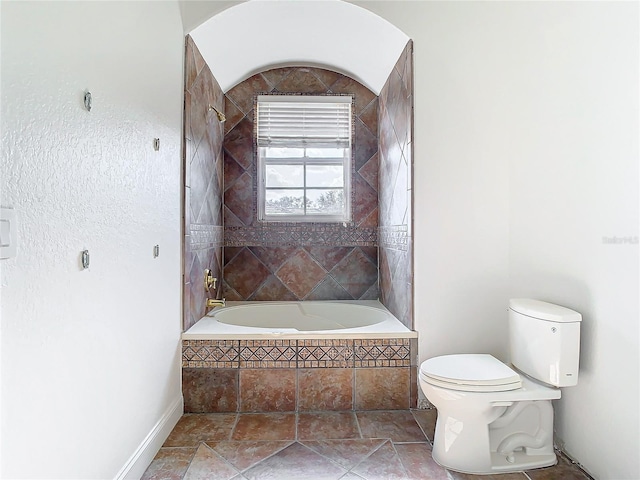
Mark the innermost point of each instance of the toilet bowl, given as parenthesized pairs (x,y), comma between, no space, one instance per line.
(498,418)
(489,428)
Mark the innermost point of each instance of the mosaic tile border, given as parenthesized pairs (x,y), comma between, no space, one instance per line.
(210,354)
(268,353)
(321,353)
(394,237)
(311,234)
(387,352)
(325,353)
(205,236)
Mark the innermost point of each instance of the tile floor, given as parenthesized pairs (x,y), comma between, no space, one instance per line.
(369,445)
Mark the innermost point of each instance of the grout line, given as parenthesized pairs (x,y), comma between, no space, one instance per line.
(405,469)
(384,441)
(224,460)
(355,414)
(191,460)
(429,441)
(233,429)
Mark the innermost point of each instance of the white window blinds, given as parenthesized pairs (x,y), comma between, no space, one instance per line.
(304,121)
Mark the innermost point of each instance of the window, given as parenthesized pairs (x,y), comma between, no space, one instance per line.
(304,158)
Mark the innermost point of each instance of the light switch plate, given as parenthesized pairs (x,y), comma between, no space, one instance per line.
(8,228)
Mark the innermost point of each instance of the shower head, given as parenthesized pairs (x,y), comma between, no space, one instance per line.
(220,115)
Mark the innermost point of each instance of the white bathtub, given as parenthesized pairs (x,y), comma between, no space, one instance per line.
(299,320)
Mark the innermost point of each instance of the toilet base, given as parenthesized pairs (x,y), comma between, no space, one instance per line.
(491,433)
(499,463)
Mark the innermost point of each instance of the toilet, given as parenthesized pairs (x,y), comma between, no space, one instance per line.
(498,418)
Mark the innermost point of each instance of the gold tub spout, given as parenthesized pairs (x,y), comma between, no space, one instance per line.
(212,302)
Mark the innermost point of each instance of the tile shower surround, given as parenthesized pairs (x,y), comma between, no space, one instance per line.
(299,375)
(203,136)
(342,261)
(395,192)
(290,261)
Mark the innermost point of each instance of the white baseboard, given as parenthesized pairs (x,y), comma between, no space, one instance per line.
(144,454)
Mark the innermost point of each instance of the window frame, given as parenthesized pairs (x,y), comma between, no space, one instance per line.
(346,161)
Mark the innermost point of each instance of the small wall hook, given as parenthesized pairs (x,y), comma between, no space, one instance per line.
(88,101)
(85,259)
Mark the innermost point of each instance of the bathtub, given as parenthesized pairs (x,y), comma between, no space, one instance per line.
(299,320)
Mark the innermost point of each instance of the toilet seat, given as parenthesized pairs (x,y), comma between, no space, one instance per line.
(470,373)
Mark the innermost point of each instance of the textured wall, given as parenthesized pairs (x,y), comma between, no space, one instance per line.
(287,261)
(396,204)
(89,357)
(203,135)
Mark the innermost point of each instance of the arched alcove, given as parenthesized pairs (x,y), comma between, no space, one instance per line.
(261,34)
(327,47)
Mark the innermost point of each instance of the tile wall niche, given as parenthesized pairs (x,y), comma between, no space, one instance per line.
(203,162)
(289,261)
(395,192)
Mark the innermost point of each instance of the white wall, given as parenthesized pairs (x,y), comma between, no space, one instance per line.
(461,173)
(574,181)
(526,155)
(90,359)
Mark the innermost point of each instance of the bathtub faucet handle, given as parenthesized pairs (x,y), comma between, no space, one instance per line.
(212,302)
(209,280)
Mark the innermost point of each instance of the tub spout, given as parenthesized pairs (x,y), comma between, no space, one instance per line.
(212,302)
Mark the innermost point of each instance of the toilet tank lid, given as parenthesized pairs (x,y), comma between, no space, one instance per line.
(544,310)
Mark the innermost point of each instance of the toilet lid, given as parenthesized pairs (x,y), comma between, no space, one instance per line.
(470,372)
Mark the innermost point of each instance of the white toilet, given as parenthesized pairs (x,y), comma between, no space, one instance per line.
(494,418)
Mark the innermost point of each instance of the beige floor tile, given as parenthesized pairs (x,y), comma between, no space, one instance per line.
(265,426)
(324,425)
(195,428)
(396,425)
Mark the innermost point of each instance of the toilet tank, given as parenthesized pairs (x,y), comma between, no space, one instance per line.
(544,340)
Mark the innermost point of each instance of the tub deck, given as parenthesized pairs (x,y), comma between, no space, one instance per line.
(209,328)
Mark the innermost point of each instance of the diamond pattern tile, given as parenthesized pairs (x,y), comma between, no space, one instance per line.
(383,464)
(273,289)
(210,353)
(203,174)
(241,228)
(296,461)
(268,354)
(208,465)
(245,273)
(273,257)
(301,80)
(301,273)
(382,352)
(245,454)
(355,273)
(325,353)
(382,445)
(395,180)
(240,200)
(239,143)
(243,93)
